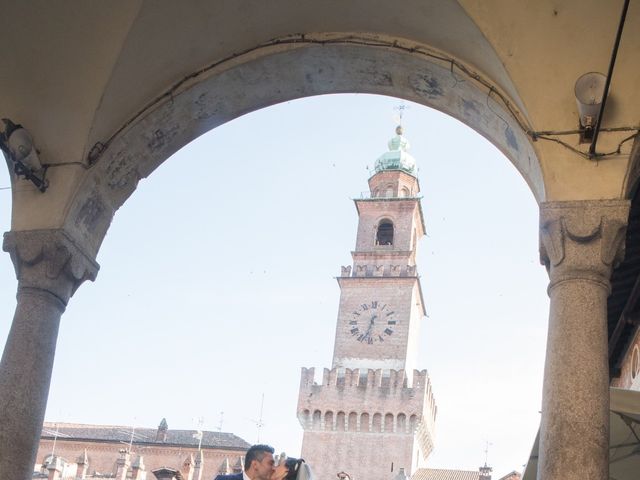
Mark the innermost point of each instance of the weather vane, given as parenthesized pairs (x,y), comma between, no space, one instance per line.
(486,452)
(398,117)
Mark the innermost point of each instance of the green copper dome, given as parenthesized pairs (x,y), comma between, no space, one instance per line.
(397,158)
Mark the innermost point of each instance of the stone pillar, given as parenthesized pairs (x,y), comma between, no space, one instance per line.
(580,243)
(49,267)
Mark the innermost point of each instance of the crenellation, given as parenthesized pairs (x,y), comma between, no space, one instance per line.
(307,376)
(384,268)
(365,388)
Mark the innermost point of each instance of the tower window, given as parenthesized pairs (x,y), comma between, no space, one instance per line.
(384,235)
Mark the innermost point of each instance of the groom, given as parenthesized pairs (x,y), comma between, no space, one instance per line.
(259,464)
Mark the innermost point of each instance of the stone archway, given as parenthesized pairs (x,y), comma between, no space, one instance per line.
(219,95)
(209,98)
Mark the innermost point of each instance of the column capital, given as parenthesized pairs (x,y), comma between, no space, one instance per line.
(49,260)
(582,239)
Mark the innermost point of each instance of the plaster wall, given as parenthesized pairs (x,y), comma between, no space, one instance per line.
(103,455)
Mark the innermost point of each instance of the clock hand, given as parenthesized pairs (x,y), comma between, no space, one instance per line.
(370,325)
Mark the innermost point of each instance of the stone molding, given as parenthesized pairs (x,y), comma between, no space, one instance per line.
(49,260)
(582,239)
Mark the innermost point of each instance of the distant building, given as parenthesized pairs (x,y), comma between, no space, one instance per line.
(80,451)
(483,473)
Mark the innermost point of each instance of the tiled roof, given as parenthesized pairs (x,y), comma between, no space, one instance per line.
(116,433)
(442,474)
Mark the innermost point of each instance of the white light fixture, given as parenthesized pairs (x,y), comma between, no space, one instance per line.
(589,91)
(17,145)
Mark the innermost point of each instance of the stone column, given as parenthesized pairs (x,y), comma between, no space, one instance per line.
(49,267)
(580,243)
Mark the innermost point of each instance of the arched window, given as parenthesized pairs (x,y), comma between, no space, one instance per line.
(388,423)
(384,235)
(328,420)
(404,192)
(364,422)
(353,422)
(340,422)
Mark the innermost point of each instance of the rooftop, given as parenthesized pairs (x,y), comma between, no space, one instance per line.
(115,433)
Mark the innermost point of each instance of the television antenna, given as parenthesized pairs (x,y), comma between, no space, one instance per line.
(259,423)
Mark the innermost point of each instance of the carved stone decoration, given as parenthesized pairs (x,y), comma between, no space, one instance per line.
(395,270)
(361,270)
(378,270)
(49,260)
(582,238)
(345,271)
(411,270)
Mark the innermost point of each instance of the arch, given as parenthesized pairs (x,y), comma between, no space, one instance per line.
(376,424)
(364,422)
(401,423)
(385,232)
(317,418)
(404,192)
(214,98)
(413,423)
(341,422)
(353,422)
(388,423)
(328,420)
(306,417)
(388,191)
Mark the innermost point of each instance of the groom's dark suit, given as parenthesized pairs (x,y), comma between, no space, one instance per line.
(235,476)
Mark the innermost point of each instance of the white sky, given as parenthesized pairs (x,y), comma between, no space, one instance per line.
(216,282)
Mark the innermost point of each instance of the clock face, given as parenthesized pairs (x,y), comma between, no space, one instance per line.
(372,323)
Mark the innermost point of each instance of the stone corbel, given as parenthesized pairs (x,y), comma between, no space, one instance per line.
(378,270)
(345,271)
(49,260)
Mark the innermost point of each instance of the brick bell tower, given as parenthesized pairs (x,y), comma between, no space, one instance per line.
(374,414)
